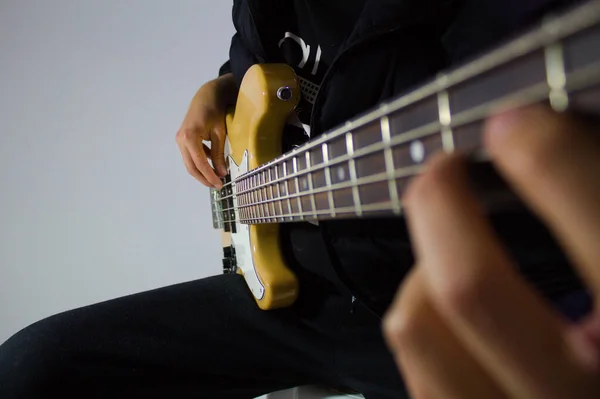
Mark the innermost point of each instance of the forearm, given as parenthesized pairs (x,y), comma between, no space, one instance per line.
(227,89)
(217,93)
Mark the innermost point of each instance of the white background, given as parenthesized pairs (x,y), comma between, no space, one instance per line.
(95,202)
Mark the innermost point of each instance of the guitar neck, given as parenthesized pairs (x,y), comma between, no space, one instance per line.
(362,168)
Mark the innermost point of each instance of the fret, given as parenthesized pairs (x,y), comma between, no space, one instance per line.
(402,185)
(556,76)
(353,176)
(275,193)
(339,172)
(259,212)
(319,181)
(419,114)
(267,201)
(272,194)
(325,153)
(316,155)
(386,137)
(318,178)
(515,75)
(305,194)
(371,164)
(337,148)
(268,215)
(303,182)
(581,49)
(445,116)
(417,151)
(247,206)
(344,199)
(374,193)
(257,195)
(251,182)
(274,215)
(301,163)
(468,137)
(263,195)
(287,192)
(258,201)
(295,171)
(321,201)
(279,195)
(367,135)
(313,203)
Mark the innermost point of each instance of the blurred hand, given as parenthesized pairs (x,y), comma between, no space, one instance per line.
(464,324)
(205,121)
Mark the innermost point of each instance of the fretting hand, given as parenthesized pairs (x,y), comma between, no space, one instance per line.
(464,324)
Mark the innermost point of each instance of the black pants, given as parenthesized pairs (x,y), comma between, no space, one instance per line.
(204,339)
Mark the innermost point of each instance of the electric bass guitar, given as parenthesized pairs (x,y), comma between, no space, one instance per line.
(361,168)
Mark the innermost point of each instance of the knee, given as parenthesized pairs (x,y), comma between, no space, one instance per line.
(33,360)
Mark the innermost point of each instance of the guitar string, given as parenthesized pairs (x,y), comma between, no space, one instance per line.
(386,205)
(551,32)
(406,137)
(584,75)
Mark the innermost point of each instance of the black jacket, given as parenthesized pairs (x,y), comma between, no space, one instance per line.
(394,46)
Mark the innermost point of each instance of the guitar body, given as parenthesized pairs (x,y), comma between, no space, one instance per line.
(254,132)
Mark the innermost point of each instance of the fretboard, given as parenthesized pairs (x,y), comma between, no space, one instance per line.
(362,168)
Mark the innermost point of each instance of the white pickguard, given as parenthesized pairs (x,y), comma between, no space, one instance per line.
(241,238)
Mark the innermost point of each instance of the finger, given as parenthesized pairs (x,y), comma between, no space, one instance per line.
(217,139)
(191,167)
(474,285)
(553,161)
(201,161)
(208,153)
(433,361)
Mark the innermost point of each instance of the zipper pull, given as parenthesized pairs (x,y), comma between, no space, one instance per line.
(353,305)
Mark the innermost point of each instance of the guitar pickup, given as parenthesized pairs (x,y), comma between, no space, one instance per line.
(221,205)
(216,208)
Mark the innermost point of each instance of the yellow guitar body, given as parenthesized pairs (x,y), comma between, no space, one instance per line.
(267,96)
